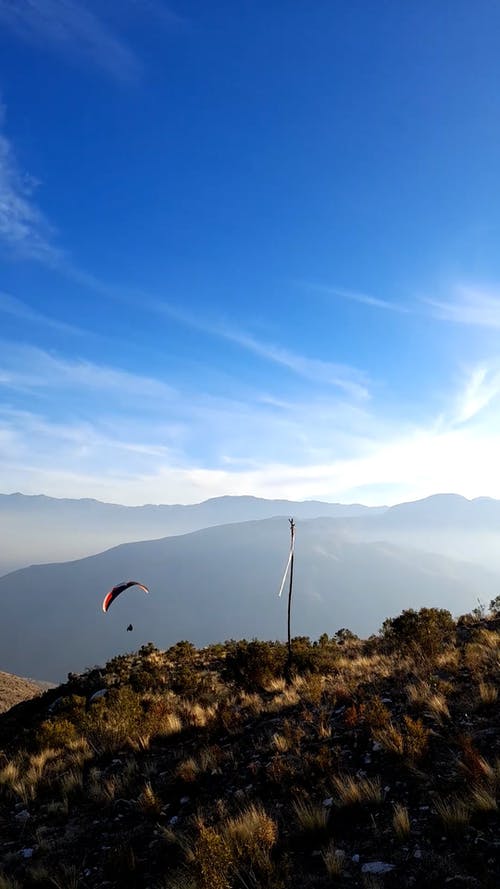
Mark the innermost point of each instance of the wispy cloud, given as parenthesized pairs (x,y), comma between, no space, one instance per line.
(210,445)
(73,28)
(30,368)
(471,306)
(84,435)
(481,388)
(350,380)
(23,227)
(356,296)
(10,305)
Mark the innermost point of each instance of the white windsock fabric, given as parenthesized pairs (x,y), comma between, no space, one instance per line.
(292,546)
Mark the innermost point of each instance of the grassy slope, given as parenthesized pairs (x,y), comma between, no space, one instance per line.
(203,769)
(14,689)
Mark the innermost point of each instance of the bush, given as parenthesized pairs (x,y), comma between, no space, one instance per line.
(424,631)
(254,664)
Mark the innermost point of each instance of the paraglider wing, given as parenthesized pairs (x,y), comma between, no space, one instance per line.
(115,592)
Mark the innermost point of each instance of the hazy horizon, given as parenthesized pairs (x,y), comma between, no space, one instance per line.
(227,495)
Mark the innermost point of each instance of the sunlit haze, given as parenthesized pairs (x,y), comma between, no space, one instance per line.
(249,249)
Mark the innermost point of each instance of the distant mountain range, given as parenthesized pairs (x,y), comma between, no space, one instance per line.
(221,583)
(39,529)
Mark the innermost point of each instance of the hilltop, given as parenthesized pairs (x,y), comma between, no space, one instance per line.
(378,764)
(14,689)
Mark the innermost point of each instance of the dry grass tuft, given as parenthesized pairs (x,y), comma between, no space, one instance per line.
(148,801)
(454,813)
(171,724)
(287,698)
(334,860)
(275,685)
(188,770)
(438,707)
(352,791)
(475,766)
(280,743)
(9,778)
(482,799)
(488,693)
(251,835)
(390,738)
(312,818)
(401,822)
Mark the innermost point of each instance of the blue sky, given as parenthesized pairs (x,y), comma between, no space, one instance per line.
(249,248)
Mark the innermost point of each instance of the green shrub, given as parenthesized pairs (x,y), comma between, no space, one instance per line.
(254,664)
(424,631)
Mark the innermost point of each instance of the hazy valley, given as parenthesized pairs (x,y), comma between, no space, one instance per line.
(354,567)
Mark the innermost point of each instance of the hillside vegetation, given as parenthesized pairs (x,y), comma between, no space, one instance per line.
(14,689)
(377,764)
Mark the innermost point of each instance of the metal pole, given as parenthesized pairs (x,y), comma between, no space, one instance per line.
(288,671)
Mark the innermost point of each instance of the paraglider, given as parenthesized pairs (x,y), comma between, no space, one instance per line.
(129,628)
(115,592)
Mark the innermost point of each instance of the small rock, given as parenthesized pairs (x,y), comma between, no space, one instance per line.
(23,816)
(328,802)
(27,853)
(355,859)
(376,747)
(184,800)
(459,880)
(417,853)
(174,819)
(376,867)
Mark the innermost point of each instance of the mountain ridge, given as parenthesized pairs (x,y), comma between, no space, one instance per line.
(220,583)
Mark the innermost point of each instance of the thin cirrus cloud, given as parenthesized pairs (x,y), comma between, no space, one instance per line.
(73,28)
(481,388)
(436,457)
(352,381)
(30,368)
(96,436)
(355,296)
(471,306)
(23,227)
(10,305)
(242,442)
